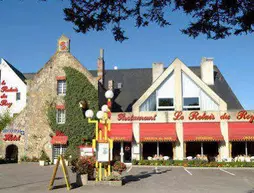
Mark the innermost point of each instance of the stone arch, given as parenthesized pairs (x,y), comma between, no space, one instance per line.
(11,153)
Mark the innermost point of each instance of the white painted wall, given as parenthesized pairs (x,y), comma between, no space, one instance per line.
(165,90)
(12,80)
(191,89)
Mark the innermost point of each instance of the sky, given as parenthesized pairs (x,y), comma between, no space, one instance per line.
(29,31)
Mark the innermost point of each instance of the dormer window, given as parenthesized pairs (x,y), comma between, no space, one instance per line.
(191,104)
(61,87)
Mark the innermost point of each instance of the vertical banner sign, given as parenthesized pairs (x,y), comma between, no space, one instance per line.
(65,172)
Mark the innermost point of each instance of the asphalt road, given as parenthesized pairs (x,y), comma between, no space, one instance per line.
(32,178)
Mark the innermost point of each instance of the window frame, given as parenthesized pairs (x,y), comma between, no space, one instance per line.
(166,108)
(18,93)
(192,107)
(63,116)
(62,87)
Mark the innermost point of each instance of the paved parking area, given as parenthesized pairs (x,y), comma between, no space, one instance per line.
(32,178)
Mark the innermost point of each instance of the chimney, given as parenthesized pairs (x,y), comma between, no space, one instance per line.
(111,85)
(207,73)
(158,69)
(101,67)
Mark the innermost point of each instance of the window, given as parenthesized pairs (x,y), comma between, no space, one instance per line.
(61,87)
(17,96)
(60,116)
(191,103)
(58,150)
(165,104)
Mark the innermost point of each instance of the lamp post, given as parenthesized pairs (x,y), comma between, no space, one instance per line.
(102,127)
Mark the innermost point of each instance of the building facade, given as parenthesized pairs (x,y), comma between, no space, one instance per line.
(182,113)
(176,112)
(30,130)
(13,89)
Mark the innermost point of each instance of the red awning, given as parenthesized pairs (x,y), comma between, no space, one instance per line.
(121,132)
(202,132)
(59,140)
(62,107)
(61,78)
(240,131)
(157,132)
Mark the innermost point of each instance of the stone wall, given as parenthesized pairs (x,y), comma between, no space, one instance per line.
(41,91)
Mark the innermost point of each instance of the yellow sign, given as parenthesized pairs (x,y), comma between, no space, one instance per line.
(65,171)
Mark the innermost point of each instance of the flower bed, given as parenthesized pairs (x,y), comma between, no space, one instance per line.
(194,163)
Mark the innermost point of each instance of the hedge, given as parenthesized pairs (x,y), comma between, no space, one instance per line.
(194,163)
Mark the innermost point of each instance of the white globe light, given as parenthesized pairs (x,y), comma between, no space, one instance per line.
(89,113)
(100,114)
(104,108)
(109,94)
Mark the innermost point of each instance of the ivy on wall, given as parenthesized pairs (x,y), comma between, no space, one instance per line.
(76,127)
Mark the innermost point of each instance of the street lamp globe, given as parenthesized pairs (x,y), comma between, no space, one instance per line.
(104,108)
(100,114)
(89,113)
(109,94)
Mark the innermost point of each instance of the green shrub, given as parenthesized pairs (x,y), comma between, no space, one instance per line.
(114,176)
(134,162)
(193,163)
(44,156)
(25,159)
(34,159)
(5,119)
(2,161)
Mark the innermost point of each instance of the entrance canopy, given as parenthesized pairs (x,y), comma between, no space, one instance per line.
(62,140)
(202,132)
(121,132)
(240,131)
(157,132)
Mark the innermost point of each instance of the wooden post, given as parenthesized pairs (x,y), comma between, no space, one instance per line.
(65,172)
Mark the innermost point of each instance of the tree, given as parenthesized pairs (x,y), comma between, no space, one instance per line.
(5,119)
(216,19)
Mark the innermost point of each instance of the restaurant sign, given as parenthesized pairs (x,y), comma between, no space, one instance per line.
(4,97)
(124,117)
(204,116)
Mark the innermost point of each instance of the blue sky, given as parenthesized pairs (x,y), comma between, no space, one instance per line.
(29,31)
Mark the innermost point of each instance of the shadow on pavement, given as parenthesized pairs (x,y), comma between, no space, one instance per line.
(73,186)
(142,175)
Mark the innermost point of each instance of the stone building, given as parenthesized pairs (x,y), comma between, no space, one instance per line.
(31,125)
